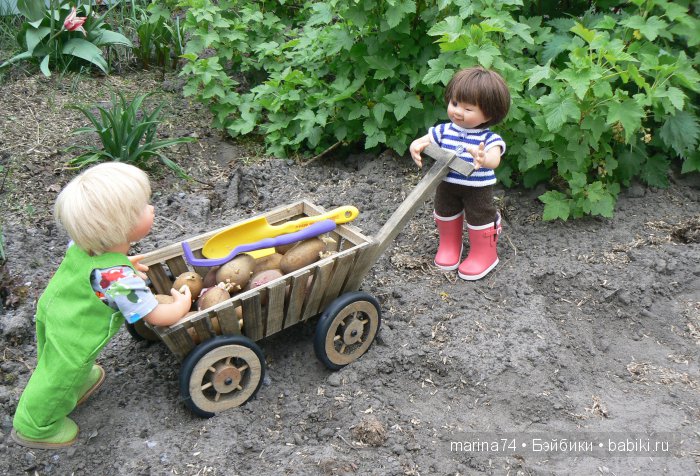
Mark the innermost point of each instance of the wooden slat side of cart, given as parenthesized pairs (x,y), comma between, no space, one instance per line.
(270,308)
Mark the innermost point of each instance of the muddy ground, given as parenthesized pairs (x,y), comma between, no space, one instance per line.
(587,332)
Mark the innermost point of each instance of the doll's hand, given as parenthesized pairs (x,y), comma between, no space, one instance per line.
(417,146)
(182,298)
(140,268)
(478,154)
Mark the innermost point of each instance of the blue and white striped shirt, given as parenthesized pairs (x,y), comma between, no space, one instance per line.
(450,136)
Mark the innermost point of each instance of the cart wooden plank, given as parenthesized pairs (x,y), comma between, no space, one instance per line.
(160,280)
(228,320)
(321,277)
(177,266)
(275,307)
(178,341)
(203,326)
(253,324)
(343,264)
(364,261)
(296,298)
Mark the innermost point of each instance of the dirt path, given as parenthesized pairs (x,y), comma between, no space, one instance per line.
(587,331)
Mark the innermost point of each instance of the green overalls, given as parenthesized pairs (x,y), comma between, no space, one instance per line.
(72,326)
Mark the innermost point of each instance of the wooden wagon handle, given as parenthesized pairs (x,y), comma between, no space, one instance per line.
(444,162)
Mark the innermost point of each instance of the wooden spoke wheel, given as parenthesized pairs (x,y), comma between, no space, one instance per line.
(221,373)
(140,331)
(346,329)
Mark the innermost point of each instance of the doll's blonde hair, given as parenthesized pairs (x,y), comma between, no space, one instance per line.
(101,206)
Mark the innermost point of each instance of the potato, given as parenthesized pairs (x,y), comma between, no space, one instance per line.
(212,297)
(192,280)
(264,277)
(282,249)
(236,272)
(210,278)
(239,316)
(303,254)
(264,263)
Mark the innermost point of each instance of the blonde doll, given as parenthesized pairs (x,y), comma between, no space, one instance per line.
(95,288)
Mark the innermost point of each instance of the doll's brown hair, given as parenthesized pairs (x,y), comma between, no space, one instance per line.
(483,88)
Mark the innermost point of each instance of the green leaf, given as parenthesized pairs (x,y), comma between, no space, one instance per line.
(602,89)
(109,37)
(606,23)
(35,35)
(674,95)
(556,205)
(378,112)
(322,14)
(629,164)
(395,13)
(483,53)
(450,28)
(538,73)
(555,46)
(599,200)
(32,10)
(655,171)
(578,80)
(577,182)
(691,163)
(629,113)
(357,112)
(595,124)
(649,27)
(522,30)
(583,32)
(680,131)
(85,50)
(44,66)
(558,110)
(438,72)
(531,155)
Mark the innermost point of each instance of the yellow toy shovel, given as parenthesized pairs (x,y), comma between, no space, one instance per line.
(256,229)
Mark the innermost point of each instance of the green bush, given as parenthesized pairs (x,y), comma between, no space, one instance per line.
(599,99)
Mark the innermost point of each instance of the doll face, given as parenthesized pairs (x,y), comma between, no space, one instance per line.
(468,116)
(143,226)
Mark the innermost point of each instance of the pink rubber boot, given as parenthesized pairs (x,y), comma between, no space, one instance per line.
(482,257)
(450,248)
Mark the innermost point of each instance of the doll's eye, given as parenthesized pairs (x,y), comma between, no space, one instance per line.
(454,103)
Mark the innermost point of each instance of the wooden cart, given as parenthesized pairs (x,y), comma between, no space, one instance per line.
(226,370)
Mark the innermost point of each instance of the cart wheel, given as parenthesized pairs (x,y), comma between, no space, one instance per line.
(139,331)
(221,373)
(346,329)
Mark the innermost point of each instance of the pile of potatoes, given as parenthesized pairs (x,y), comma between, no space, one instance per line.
(244,273)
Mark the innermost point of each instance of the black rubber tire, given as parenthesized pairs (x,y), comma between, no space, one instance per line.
(189,364)
(328,324)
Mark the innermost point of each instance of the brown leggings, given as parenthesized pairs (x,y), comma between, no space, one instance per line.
(477,202)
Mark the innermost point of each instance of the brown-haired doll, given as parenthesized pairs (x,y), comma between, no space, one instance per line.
(476,99)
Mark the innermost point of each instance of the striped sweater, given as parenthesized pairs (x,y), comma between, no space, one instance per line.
(450,136)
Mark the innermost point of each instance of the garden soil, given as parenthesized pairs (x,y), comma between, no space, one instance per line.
(586,334)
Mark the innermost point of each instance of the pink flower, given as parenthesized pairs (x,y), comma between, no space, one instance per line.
(75,23)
